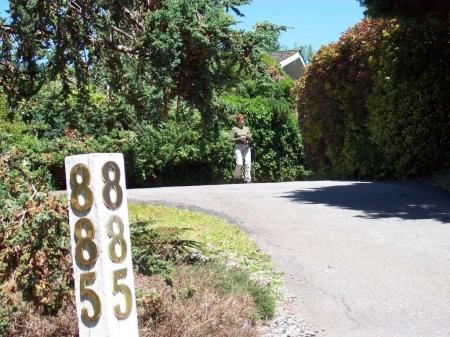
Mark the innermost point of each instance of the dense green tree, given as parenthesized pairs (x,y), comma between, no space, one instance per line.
(149,53)
(332,101)
(373,104)
(269,34)
(407,9)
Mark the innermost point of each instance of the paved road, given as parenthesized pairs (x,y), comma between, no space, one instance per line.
(363,259)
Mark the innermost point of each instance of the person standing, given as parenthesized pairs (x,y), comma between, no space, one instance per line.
(242,137)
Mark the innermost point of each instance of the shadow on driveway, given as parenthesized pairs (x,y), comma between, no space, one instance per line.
(414,201)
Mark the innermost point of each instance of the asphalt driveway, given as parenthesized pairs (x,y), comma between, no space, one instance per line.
(361,259)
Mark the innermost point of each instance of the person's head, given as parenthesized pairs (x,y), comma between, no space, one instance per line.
(240,120)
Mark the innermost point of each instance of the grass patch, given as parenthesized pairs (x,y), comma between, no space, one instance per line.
(228,244)
(219,237)
(232,281)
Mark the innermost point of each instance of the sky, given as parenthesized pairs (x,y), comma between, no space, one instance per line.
(3,6)
(312,22)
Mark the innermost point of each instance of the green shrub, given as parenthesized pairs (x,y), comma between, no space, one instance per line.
(373,104)
(169,151)
(3,107)
(442,179)
(410,114)
(332,102)
(155,251)
(34,238)
(6,311)
(182,148)
(96,114)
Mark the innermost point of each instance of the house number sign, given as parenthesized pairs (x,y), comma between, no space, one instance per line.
(101,251)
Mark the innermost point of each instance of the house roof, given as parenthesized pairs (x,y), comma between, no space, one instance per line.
(282,55)
(291,61)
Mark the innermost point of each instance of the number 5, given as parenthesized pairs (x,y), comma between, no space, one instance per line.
(85,280)
(122,288)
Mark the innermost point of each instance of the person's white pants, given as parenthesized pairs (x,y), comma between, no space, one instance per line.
(243,157)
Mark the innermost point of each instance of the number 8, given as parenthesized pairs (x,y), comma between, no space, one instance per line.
(80,188)
(117,239)
(111,184)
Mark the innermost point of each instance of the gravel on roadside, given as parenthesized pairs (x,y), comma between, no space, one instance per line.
(286,323)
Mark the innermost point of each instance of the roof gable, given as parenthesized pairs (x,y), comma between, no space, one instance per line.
(291,61)
(282,55)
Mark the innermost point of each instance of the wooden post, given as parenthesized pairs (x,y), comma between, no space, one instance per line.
(101,248)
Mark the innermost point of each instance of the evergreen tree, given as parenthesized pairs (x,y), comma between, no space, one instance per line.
(408,9)
(150,53)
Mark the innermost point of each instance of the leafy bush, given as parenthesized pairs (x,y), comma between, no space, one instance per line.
(373,104)
(155,251)
(44,157)
(410,115)
(332,102)
(3,106)
(97,114)
(34,238)
(182,149)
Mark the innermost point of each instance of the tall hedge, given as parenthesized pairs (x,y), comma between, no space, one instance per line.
(409,107)
(373,103)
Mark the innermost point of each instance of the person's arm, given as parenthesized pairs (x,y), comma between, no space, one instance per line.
(233,136)
(249,135)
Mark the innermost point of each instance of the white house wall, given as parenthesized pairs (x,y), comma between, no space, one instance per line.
(294,69)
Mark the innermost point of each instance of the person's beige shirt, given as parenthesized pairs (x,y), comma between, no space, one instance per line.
(237,132)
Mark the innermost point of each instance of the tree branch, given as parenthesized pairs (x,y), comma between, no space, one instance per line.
(6,29)
(120,31)
(133,18)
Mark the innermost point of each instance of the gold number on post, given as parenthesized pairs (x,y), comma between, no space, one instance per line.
(80,188)
(117,239)
(85,242)
(111,185)
(126,292)
(87,279)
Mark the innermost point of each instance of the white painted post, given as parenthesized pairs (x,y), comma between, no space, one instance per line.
(101,248)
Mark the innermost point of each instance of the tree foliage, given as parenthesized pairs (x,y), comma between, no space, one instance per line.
(409,111)
(148,53)
(373,104)
(407,9)
(332,101)
(269,34)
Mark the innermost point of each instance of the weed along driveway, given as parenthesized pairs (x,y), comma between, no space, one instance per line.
(360,259)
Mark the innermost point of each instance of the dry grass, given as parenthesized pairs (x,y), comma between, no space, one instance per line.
(28,323)
(187,306)
(192,308)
